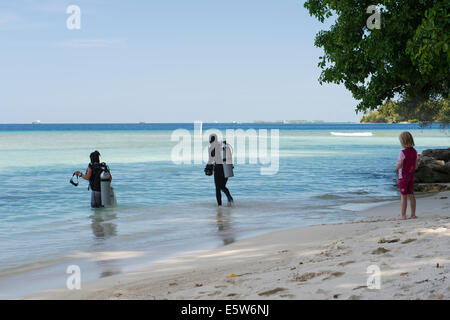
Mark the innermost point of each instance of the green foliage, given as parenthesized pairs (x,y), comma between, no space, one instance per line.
(444,114)
(387,113)
(407,58)
(429,46)
(425,113)
(374,117)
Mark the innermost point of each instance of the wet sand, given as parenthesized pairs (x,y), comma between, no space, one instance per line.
(318,262)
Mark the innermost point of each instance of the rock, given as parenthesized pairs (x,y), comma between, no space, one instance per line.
(383,240)
(425,160)
(433,166)
(431,187)
(431,175)
(380,250)
(447,167)
(438,154)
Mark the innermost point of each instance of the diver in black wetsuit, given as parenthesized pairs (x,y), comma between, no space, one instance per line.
(92,174)
(219,177)
(221,182)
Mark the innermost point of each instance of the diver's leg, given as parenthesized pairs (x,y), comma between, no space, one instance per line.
(226,191)
(218,196)
(217,182)
(96,199)
(92,199)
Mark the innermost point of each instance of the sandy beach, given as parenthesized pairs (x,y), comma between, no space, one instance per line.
(317,262)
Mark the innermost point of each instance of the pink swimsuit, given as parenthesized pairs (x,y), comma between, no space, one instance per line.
(408,157)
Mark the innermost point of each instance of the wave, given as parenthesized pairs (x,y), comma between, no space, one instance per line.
(328,196)
(358,192)
(27,267)
(352,134)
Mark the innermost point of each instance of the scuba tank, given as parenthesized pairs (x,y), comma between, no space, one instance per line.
(227,165)
(107,192)
(228,170)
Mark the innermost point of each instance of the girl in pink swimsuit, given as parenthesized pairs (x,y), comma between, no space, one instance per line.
(406,165)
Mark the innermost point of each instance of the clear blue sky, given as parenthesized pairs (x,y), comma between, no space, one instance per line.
(164,61)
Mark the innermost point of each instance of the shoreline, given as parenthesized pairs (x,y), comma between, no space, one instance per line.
(327,261)
(41,276)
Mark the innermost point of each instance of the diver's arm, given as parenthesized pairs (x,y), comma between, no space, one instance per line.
(86,176)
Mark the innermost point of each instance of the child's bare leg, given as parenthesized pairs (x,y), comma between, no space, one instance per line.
(412,200)
(404,206)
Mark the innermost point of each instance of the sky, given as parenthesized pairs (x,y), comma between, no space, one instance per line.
(164,61)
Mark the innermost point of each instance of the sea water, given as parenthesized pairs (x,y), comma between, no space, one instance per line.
(167,209)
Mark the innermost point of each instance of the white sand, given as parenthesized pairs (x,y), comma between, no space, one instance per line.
(319,262)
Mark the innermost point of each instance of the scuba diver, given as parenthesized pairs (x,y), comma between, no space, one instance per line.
(93,172)
(216,163)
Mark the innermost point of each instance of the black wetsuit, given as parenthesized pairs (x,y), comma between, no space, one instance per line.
(221,181)
(94,184)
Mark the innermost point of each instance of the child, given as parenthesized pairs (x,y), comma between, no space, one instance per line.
(406,164)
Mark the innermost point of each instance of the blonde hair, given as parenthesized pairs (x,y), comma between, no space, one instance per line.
(406,139)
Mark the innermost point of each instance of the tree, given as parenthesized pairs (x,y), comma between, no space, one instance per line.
(387,113)
(426,112)
(406,59)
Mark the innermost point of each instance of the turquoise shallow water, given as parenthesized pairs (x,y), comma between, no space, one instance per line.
(166,209)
